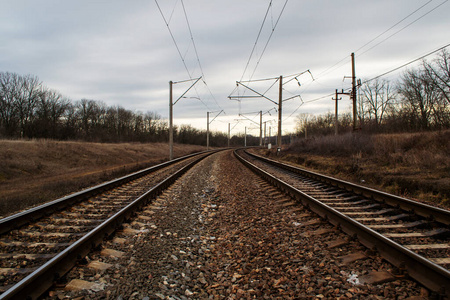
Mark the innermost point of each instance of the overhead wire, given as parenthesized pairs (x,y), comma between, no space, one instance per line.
(196,54)
(345,59)
(406,64)
(393,25)
(406,26)
(257,38)
(378,36)
(374,78)
(183,57)
(173,39)
(270,37)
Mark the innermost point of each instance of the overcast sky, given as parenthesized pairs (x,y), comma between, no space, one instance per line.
(122,53)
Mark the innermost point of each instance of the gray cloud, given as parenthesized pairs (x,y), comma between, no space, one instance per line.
(121,52)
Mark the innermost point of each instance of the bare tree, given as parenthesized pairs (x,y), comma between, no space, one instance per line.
(50,111)
(377,97)
(439,73)
(420,95)
(27,96)
(8,109)
(302,123)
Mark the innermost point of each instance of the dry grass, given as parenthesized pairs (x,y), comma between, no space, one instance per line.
(33,172)
(411,165)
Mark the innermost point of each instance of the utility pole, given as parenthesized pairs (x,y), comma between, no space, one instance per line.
(265,137)
(207,126)
(207,130)
(270,134)
(280,102)
(229,135)
(171,104)
(336,121)
(280,99)
(353,95)
(170,121)
(260,128)
(245,137)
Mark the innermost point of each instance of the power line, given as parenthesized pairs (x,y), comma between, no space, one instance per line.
(257,38)
(409,24)
(374,78)
(192,39)
(173,39)
(270,37)
(196,54)
(393,26)
(408,63)
(326,71)
(183,57)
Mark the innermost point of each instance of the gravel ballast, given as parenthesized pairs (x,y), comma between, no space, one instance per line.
(222,233)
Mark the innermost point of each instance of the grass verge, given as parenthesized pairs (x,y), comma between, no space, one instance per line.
(412,165)
(37,171)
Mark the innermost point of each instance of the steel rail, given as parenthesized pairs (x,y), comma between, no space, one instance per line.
(430,212)
(424,271)
(35,284)
(25,217)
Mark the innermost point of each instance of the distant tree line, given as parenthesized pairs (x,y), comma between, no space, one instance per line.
(418,101)
(28,109)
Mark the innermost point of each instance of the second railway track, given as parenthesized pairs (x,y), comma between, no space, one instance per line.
(39,245)
(410,235)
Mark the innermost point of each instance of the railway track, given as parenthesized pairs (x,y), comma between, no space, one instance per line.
(412,236)
(40,245)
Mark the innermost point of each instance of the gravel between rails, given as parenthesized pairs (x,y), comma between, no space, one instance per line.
(222,233)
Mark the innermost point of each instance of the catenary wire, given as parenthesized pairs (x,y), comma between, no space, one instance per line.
(369,42)
(257,38)
(196,54)
(374,78)
(406,64)
(270,37)
(406,26)
(183,57)
(339,63)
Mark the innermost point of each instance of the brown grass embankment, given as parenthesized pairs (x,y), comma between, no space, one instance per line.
(413,165)
(34,172)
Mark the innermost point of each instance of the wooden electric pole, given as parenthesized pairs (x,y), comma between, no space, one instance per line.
(207,130)
(245,137)
(170,121)
(353,95)
(280,103)
(265,137)
(229,135)
(260,128)
(336,121)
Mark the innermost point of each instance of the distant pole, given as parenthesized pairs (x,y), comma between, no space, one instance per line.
(354,91)
(260,128)
(280,101)
(229,135)
(265,123)
(170,121)
(336,121)
(245,137)
(207,130)
(270,134)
